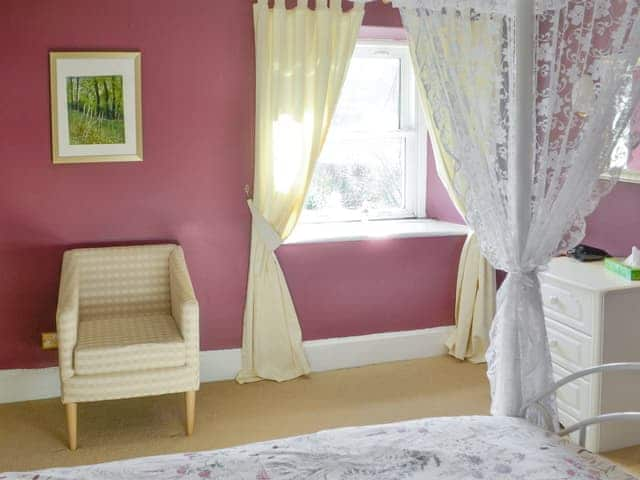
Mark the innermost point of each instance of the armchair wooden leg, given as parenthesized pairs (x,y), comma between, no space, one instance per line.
(190,410)
(72,424)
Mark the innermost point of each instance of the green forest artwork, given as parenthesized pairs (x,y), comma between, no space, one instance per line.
(95,110)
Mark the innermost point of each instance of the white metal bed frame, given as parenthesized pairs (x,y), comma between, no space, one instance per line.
(582,425)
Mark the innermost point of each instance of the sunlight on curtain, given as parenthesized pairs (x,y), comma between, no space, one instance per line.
(288,148)
(302,57)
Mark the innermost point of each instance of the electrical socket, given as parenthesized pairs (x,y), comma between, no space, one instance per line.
(49,340)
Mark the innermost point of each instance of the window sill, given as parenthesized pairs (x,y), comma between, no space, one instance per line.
(374,229)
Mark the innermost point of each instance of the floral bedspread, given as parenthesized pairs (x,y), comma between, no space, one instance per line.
(452,448)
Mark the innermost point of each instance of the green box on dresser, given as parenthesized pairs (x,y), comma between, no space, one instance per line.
(617,266)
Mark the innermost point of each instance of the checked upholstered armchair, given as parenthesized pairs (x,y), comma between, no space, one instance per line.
(127,324)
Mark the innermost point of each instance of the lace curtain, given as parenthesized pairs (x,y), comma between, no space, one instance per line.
(476,283)
(527,209)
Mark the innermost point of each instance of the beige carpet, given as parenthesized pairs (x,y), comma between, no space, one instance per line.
(32,434)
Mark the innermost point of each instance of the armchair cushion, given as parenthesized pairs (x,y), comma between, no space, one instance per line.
(127,343)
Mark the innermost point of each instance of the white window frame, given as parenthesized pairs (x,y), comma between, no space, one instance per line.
(412,128)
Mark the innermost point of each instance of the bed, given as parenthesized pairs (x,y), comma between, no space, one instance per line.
(452,448)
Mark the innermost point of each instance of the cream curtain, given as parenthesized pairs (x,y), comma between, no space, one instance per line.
(302,57)
(476,285)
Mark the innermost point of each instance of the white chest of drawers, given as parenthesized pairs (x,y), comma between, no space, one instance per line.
(593,317)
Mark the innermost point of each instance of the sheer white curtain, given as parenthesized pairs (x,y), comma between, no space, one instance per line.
(476,282)
(529,152)
(302,57)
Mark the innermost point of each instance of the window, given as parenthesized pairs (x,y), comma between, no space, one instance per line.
(373,163)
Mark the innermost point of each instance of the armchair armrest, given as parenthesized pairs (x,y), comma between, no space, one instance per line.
(184,306)
(67,315)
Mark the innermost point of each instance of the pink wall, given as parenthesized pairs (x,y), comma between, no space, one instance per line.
(197,84)
(614,225)
(198,109)
(198,81)
(439,206)
(354,288)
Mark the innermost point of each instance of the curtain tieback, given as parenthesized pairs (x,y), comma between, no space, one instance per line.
(265,230)
(527,278)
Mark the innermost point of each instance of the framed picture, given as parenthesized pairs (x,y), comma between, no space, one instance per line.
(96,109)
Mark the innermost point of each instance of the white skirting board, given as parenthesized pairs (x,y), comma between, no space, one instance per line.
(215,365)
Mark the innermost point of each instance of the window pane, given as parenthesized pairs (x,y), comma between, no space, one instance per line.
(370,97)
(357,175)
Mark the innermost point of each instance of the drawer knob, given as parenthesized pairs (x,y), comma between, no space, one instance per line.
(554,300)
(553,344)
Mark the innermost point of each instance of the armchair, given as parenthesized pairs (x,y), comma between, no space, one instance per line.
(127,323)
